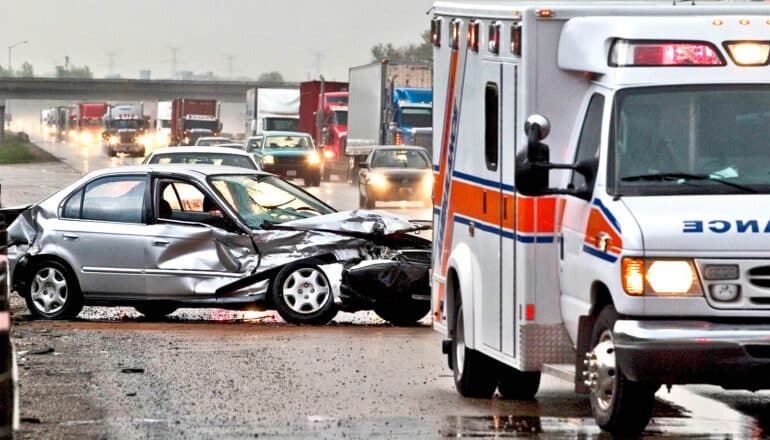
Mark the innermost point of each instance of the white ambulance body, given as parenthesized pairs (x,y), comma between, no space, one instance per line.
(651,265)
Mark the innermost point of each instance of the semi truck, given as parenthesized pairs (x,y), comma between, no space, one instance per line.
(269,109)
(194,118)
(389,103)
(90,116)
(630,251)
(323,113)
(125,130)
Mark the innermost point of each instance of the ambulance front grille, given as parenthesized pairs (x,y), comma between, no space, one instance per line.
(760,277)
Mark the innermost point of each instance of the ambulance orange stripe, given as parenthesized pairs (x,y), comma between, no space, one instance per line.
(438,183)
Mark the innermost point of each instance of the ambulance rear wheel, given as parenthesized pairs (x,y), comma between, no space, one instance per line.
(518,385)
(619,405)
(475,374)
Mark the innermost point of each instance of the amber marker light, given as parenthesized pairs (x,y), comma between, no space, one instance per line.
(632,274)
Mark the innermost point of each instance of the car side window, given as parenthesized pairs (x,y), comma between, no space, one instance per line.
(111,199)
(72,206)
(590,137)
(182,201)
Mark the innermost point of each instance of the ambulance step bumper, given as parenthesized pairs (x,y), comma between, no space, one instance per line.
(732,355)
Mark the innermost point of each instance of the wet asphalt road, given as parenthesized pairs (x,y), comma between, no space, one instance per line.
(217,374)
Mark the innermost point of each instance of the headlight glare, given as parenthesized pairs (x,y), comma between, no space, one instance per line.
(660,277)
(268,160)
(313,158)
(377,179)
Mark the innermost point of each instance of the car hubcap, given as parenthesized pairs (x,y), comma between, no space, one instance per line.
(600,374)
(49,290)
(306,291)
(460,344)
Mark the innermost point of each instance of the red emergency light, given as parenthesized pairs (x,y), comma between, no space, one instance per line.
(435,32)
(455,37)
(626,53)
(494,37)
(473,35)
(516,39)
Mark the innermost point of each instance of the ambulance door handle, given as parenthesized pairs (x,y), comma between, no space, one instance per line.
(561,246)
(471,229)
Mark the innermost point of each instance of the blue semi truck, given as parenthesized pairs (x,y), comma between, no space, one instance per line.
(389,103)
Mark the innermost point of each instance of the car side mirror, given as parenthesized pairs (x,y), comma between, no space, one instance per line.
(363,165)
(532,165)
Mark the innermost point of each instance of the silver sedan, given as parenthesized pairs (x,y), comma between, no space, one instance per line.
(160,237)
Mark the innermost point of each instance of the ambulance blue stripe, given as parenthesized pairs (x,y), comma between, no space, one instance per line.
(608,214)
(503,232)
(483,182)
(599,254)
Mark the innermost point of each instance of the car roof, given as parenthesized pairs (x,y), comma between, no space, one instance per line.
(209,138)
(192,170)
(202,149)
(284,133)
(398,147)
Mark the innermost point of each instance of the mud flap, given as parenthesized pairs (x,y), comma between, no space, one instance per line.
(585,327)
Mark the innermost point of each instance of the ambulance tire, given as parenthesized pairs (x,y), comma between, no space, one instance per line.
(518,385)
(475,374)
(403,314)
(625,407)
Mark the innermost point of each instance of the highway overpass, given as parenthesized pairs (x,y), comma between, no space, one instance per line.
(127,89)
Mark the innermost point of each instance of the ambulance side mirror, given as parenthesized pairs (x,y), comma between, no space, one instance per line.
(532,165)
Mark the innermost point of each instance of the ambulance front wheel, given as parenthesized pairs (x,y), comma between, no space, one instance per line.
(475,374)
(619,405)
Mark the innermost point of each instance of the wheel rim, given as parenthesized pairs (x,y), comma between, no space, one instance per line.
(460,344)
(601,371)
(306,291)
(49,290)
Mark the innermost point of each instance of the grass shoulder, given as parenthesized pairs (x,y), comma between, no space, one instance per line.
(16,148)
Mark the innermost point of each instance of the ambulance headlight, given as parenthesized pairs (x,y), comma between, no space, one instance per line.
(748,53)
(660,277)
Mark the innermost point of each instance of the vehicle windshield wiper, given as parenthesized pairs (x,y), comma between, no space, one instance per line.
(686,176)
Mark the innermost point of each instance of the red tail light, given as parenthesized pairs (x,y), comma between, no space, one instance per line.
(656,53)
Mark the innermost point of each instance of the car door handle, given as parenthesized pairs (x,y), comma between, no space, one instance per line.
(70,237)
(160,243)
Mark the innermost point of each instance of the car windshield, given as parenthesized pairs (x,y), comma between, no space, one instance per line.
(282,124)
(234,160)
(252,144)
(190,124)
(340,117)
(257,199)
(690,140)
(209,142)
(337,100)
(417,117)
(399,159)
(297,142)
(165,123)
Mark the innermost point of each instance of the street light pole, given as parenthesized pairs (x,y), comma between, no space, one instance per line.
(10,48)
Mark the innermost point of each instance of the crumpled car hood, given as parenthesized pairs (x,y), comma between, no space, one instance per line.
(357,222)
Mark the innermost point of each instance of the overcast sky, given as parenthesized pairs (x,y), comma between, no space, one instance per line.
(261,35)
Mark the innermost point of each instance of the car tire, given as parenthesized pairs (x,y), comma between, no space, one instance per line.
(295,303)
(317,179)
(518,385)
(403,314)
(52,291)
(475,374)
(155,312)
(370,202)
(620,406)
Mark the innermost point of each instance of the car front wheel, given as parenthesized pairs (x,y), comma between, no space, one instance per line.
(302,294)
(404,313)
(52,291)
(155,312)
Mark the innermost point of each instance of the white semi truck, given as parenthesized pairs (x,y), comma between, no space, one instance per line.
(633,250)
(269,109)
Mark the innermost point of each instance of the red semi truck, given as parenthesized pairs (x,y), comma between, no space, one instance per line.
(194,118)
(323,113)
(90,116)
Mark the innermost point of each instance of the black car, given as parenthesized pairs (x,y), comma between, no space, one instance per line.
(395,173)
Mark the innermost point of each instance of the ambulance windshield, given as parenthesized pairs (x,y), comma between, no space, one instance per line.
(690,140)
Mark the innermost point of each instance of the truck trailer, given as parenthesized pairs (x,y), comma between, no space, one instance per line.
(389,103)
(194,118)
(269,109)
(323,113)
(629,252)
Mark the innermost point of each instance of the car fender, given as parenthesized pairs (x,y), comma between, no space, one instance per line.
(463,262)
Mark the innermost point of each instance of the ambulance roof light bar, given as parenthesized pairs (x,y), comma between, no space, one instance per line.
(749,53)
(656,53)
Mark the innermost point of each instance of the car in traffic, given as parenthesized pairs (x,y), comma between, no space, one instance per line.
(9,398)
(234,145)
(211,141)
(161,237)
(253,143)
(395,173)
(290,154)
(203,156)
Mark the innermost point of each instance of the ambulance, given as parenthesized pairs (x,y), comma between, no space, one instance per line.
(602,198)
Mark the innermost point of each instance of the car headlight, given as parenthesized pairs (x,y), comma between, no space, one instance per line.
(268,160)
(660,277)
(377,179)
(427,183)
(328,154)
(86,137)
(113,140)
(313,158)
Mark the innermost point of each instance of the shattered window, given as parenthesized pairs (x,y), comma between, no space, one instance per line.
(257,199)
